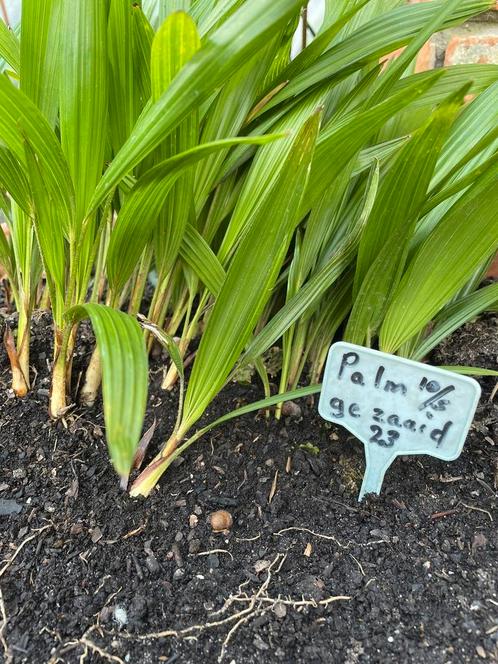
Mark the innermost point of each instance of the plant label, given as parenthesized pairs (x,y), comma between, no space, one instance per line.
(396,406)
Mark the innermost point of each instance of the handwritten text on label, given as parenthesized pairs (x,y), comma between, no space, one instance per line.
(396,406)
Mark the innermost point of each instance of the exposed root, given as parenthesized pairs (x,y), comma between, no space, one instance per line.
(207,553)
(477,509)
(296,603)
(311,532)
(3,641)
(84,641)
(257,604)
(330,537)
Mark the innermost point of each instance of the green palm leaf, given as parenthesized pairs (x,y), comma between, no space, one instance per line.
(124,381)
(245,32)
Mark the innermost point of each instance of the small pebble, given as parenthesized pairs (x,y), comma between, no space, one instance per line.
(152,564)
(260,644)
(8,507)
(120,615)
(213,561)
(479,541)
(280,610)
(96,535)
(291,409)
(178,574)
(194,546)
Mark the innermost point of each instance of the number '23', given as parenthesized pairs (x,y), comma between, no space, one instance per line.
(392,436)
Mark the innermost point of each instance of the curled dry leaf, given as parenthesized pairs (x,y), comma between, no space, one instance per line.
(143,445)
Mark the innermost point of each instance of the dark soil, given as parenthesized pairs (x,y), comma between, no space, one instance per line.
(87,574)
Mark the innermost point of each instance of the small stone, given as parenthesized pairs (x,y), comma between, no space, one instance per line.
(120,615)
(8,507)
(194,546)
(481,652)
(19,473)
(178,574)
(376,533)
(178,536)
(291,409)
(152,564)
(76,529)
(95,534)
(177,554)
(261,565)
(479,541)
(193,520)
(260,644)
(280,610)
(213,561)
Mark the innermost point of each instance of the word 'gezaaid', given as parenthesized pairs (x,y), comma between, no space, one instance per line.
(436,402)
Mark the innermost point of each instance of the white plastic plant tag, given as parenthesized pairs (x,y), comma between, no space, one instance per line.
(396,406)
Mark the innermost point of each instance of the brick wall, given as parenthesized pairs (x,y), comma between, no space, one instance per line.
(474,42)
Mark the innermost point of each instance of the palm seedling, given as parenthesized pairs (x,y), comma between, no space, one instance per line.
(267,199)
(339,205)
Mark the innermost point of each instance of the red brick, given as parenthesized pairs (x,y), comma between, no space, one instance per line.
(493,269)
(426,58)
(479,49)
(385,59)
